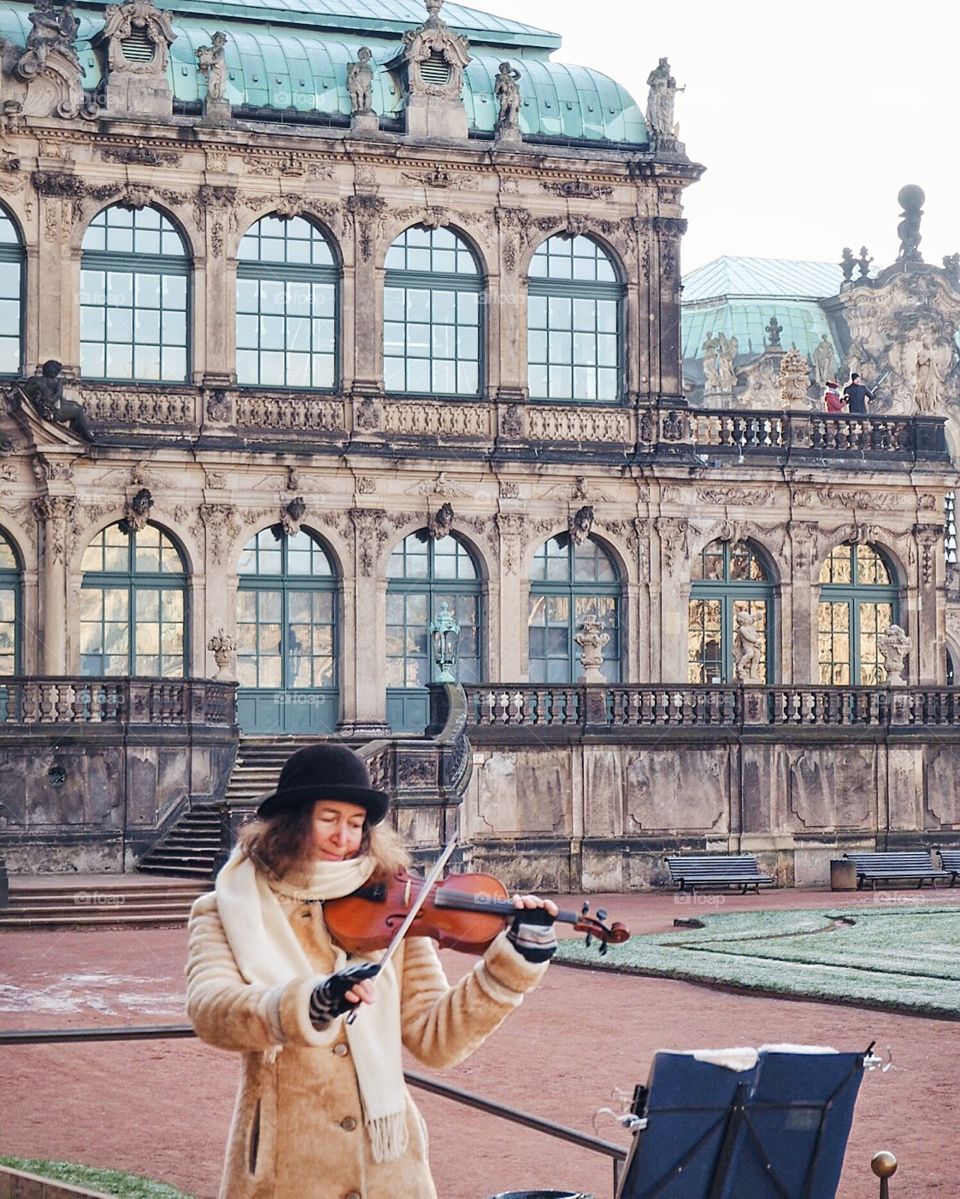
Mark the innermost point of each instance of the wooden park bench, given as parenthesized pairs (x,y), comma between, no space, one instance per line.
(717,870)
(950,860)
(892,866)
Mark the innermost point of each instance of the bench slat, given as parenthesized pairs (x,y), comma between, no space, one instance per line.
(717,870)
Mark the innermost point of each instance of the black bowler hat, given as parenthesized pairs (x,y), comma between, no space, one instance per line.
(325,771)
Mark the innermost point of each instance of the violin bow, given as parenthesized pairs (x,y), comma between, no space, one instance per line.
(435,871)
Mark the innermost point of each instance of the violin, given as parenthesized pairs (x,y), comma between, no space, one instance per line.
(465,912)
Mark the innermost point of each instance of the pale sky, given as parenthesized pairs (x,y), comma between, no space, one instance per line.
(809,117)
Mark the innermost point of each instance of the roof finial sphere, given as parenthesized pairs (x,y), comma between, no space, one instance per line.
(911,197)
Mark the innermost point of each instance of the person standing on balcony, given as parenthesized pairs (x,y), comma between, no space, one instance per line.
(831,396)
(856,395)
(323,1110)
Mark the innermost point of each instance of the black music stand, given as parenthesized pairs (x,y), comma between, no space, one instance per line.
(777,1130)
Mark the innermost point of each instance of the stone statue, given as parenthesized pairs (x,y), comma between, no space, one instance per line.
(292,516)
(360,82)
(221,645)
(794,379)
(926,391)
(824,361)
(911,200)
(894,645)
(951,268)
(711,373)
(864,262)
(660,102)
(591,638)
(45,393)
(774,329)
(213,65)
(53,27)
(507,92)
(747,648)
(441,523)
(848,262)
(137,512)
(727,350)
(580,524)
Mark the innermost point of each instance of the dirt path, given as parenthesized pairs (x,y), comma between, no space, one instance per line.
(162,1108)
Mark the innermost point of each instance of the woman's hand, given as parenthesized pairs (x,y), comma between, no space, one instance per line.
(531,930)
(361,992)
(342,992)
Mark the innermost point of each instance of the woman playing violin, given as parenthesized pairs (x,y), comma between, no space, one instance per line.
(323,1111)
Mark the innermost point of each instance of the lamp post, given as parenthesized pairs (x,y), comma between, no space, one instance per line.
(445,633)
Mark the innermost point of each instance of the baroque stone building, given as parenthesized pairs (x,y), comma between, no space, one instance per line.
(361,315)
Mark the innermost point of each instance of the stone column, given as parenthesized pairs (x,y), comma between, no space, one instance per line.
(930,637)
(800,650)
(56,515)
(666,377)
(364,692)
(366,295)
(511,612)
(215,323)
(216,605)
(55,282)
(507,314)
(675,595)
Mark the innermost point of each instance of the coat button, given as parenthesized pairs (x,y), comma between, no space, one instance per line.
(352,1195)
(349,1124)
(341,1050)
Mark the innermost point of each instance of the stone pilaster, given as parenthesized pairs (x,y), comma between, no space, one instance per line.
(55,515)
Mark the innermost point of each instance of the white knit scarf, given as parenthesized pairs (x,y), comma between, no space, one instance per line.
(255,917)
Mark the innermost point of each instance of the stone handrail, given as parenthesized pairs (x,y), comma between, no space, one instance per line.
(818,434)
(657,705)
(78,700)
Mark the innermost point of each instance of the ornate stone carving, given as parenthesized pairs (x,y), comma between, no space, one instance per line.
(366,485)
(746,497)
(50,67)
(222,646)
(591,638)
(443,179)
(45,393)
(911,200)
(12,117)
(434,43)
(222,525)
(284,412)
(136,512)
(894,646)
(371,534)
(794,380)
(441,523)
(139,24)
(928,538)
(56,513)
(509,490)
(580,524)
(140,154)
(598,425)
(219,407)
(578,189)
(805,539)
(367,211)
(46,469)
(511,527)
(291,518)
(511,421)
(368,415)
(425,418)
(673,535)
(675,426)
(213,66)
(824,361)
(143,408)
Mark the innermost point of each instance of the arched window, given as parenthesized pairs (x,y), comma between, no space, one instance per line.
(567,583)
(423,574)
(858,602)
(287,635)
(287,296)
(729,579)
(11,297)
(133,605)
(574,347)
(134,298)
(433,329)
(9,609)
(950,669)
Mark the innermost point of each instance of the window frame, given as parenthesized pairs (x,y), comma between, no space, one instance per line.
(16,253)
(854,594)
(728,592)
(295,272)
(549,287)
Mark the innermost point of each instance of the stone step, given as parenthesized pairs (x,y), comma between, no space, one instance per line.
(111,918)
(97,903)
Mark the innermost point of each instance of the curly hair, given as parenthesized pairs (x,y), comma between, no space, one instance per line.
(281,843)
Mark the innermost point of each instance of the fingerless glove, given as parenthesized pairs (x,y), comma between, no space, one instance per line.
(329,997)
(531,934)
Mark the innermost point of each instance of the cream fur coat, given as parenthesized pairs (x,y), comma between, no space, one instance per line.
(297,1131)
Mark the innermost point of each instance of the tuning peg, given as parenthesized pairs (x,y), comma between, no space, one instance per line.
(603,949)
(585,908)
(601,914)
(589,941)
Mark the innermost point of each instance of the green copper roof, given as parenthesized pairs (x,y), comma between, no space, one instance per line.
(804,323)
(762,277)
(294,66)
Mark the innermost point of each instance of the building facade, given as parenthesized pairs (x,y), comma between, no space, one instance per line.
(360,315)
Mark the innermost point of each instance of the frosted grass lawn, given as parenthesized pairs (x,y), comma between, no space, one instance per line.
(903,958)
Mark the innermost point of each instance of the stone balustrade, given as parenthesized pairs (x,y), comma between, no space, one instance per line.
(242,412)
(123,702)
(661,706)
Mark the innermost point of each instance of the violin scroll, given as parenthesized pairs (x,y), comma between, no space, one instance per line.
(595,927)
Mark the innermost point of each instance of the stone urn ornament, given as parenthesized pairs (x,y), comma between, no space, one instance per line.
(591,638)
(221,645)
(894,645)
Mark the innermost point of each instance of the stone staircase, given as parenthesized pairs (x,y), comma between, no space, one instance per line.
(188,850)
(47,902)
